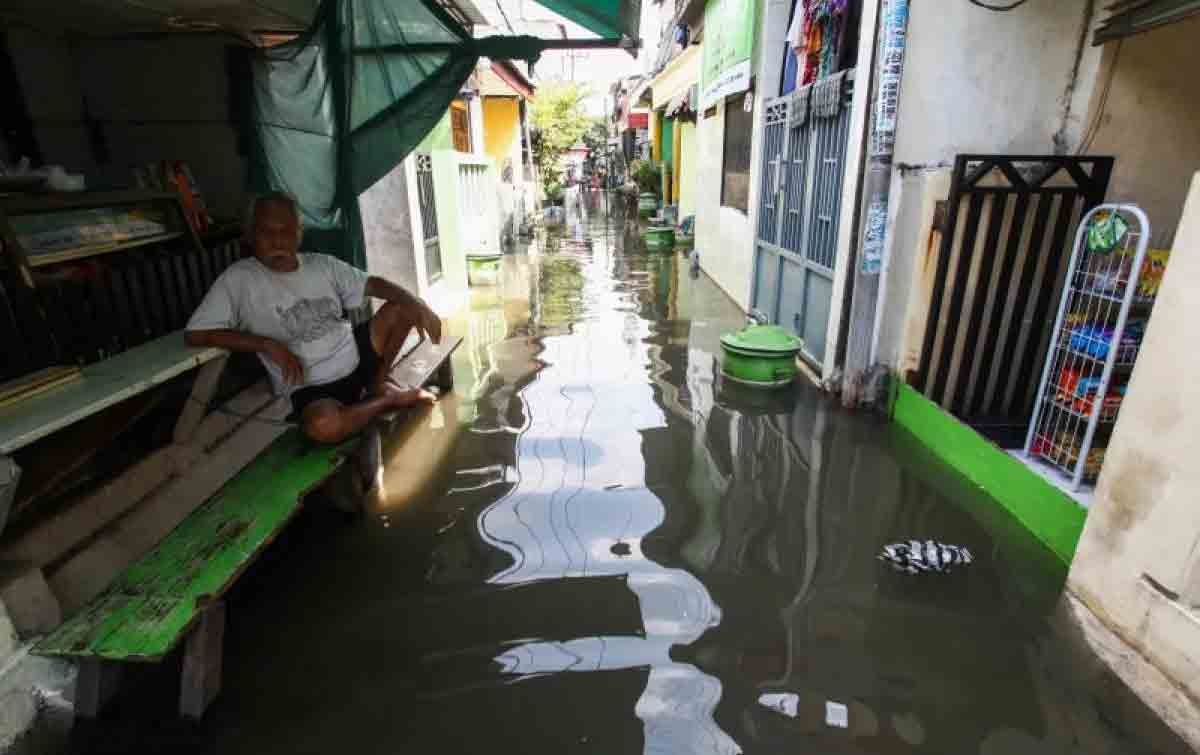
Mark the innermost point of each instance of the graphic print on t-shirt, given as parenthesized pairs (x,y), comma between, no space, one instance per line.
(310,320)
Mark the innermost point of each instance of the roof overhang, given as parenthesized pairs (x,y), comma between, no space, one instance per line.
(511,75)
(676,78)
(1128,17)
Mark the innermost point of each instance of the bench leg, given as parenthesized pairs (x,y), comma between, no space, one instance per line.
(202,662)
(370,456)
(444,377)
(95,685)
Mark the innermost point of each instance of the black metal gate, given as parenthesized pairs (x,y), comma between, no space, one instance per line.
(1008,226)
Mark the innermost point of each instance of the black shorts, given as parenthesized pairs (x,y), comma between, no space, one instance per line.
(347,390)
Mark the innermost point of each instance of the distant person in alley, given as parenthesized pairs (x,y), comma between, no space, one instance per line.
(291,309)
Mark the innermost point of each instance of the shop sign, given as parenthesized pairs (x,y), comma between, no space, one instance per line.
(728,49)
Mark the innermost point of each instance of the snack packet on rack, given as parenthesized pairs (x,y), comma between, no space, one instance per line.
(1105,232)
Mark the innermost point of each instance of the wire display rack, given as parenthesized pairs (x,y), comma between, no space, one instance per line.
(1094,345)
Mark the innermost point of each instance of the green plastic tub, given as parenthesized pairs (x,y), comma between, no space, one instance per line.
(647,204)
(483,269)
(659,237)
(763,356)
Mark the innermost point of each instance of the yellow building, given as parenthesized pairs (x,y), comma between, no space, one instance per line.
(673,128)
(504,92)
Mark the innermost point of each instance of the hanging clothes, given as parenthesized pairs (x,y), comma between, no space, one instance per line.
(794,48)
(819,27)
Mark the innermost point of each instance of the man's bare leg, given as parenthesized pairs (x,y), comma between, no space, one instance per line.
(390,328)
(331,421)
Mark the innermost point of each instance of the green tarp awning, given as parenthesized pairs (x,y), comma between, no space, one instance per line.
(611,19)
(329,113)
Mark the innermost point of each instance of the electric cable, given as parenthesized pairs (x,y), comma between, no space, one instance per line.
(998,8)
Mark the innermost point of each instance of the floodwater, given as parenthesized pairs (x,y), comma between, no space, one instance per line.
(596,545)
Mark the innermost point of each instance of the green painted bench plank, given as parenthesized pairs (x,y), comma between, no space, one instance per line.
(150,607)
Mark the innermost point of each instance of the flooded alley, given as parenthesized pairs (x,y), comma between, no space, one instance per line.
(597,545)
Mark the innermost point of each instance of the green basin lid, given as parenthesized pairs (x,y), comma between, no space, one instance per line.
(767,339)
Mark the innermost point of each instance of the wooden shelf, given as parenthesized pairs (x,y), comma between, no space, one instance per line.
(93,250)
(55,202)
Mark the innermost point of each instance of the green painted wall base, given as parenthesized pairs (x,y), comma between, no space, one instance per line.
(1044,510)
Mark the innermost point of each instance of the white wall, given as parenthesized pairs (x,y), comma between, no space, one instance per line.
(1148,119)
(1144,524)
(981,81)
(153,99)
(388,229)
(975,81)
(725,236)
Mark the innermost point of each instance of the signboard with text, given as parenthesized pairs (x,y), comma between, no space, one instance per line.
(728,48)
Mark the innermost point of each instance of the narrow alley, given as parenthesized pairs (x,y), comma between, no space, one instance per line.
(597,545)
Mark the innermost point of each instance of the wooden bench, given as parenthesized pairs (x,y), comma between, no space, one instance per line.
(175,591)
(100,386)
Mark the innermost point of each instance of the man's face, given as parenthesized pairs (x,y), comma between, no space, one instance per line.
(276,236)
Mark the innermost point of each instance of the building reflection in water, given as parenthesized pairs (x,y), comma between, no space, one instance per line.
(644,517)
(580,506)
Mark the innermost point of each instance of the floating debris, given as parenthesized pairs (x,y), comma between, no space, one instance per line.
(916,557)
(787,703)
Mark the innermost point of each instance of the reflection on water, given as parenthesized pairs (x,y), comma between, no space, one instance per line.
(598,546)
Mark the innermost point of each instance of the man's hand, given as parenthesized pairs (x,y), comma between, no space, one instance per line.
(289,364)
(427,320)
(417,311)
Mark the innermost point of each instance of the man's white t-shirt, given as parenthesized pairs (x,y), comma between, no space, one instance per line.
(305,310)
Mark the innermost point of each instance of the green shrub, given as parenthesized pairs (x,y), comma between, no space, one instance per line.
(647,175)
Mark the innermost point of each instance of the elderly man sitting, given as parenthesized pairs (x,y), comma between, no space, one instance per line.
(291,310)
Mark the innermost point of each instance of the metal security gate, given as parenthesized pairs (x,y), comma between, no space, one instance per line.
(805,135)
(429,223)
(999,274)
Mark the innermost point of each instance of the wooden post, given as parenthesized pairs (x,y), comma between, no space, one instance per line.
(444,377)
(95,685)
(201,681)
(203,390)
(370,453)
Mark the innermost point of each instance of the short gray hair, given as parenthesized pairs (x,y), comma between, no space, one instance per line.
(281,197)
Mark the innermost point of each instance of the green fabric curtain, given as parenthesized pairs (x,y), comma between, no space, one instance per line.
(331,112)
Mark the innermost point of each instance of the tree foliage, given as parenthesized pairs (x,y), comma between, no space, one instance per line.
(559,122)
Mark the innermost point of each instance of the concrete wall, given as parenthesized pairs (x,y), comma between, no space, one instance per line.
(388,229)
(1138,563)
(725,236)
(981,81)
(688,169)
(501,131)
(1147,118)
(974,81)
(48,71)
(439,137)
(150,99)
